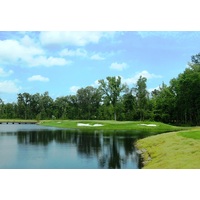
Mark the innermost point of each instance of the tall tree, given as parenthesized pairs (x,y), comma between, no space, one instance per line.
(188,95)
(129,104)
(61,107)
(36,106)
(163,103)
(73,111)
(2,105)
(46,106)
(141,96)
(111,89)
(89,99)
(24,105)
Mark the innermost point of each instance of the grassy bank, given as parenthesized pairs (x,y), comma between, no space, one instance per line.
(150,127)
(175,150)
(16,120)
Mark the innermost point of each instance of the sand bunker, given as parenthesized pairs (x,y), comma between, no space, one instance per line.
(81,124)
(148,124)
(97,125)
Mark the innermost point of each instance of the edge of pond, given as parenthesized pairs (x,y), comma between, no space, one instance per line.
(143,154)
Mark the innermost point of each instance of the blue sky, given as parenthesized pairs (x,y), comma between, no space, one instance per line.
(62,62)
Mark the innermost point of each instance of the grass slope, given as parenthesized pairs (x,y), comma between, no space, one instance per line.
(176,150)
(112,125)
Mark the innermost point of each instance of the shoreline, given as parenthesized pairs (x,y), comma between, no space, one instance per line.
(17,121)
(169,151)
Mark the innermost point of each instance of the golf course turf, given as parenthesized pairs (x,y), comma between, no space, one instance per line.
(109,125)
(175,150)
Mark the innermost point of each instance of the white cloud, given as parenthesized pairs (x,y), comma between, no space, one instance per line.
(27,41)
(72,38)
(74,89)
(118,66)
(134,79)
(8,87)
(97,57)
(27,52)
(47,62)
(77,52)
(12,50)
(81,53)
(3,73)
(148,75)
(38,78)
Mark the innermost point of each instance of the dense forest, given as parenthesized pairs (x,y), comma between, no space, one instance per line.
(178,103)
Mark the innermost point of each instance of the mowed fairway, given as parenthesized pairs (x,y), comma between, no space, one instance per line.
(175,150)
(108,125)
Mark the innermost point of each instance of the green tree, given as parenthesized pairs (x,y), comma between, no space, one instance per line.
(129,104)
(35,106)
(163,103)
(2,109)
(46,105)
(188,95)
(88,100)
(61,107)
(142,96)
(195,59)
(73,111)
(111,89)
(10,112)
(24,105)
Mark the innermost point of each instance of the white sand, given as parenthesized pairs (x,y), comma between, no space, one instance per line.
(81,124)
(97,125)
(148,124)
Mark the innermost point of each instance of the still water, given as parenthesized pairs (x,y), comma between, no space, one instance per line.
(25,146)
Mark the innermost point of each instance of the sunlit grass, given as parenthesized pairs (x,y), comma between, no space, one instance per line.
(195,134)
(176,150)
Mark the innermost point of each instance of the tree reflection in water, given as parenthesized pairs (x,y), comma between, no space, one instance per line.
(111,150)
(88,144)
(116,152)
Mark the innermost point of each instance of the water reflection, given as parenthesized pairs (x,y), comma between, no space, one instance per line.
(33,137)
(33,146)
(111,150)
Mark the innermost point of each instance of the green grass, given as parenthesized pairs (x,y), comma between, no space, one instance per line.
(176,150)
(195,134)
(112,125)
(16,120)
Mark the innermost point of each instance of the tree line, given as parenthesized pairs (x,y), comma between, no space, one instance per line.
(177,103)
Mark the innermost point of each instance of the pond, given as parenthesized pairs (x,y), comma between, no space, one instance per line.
(33,146)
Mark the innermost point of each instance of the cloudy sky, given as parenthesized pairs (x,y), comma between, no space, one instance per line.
(62,62)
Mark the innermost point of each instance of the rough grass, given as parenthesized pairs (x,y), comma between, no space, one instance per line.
(113,125)
(176,150)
